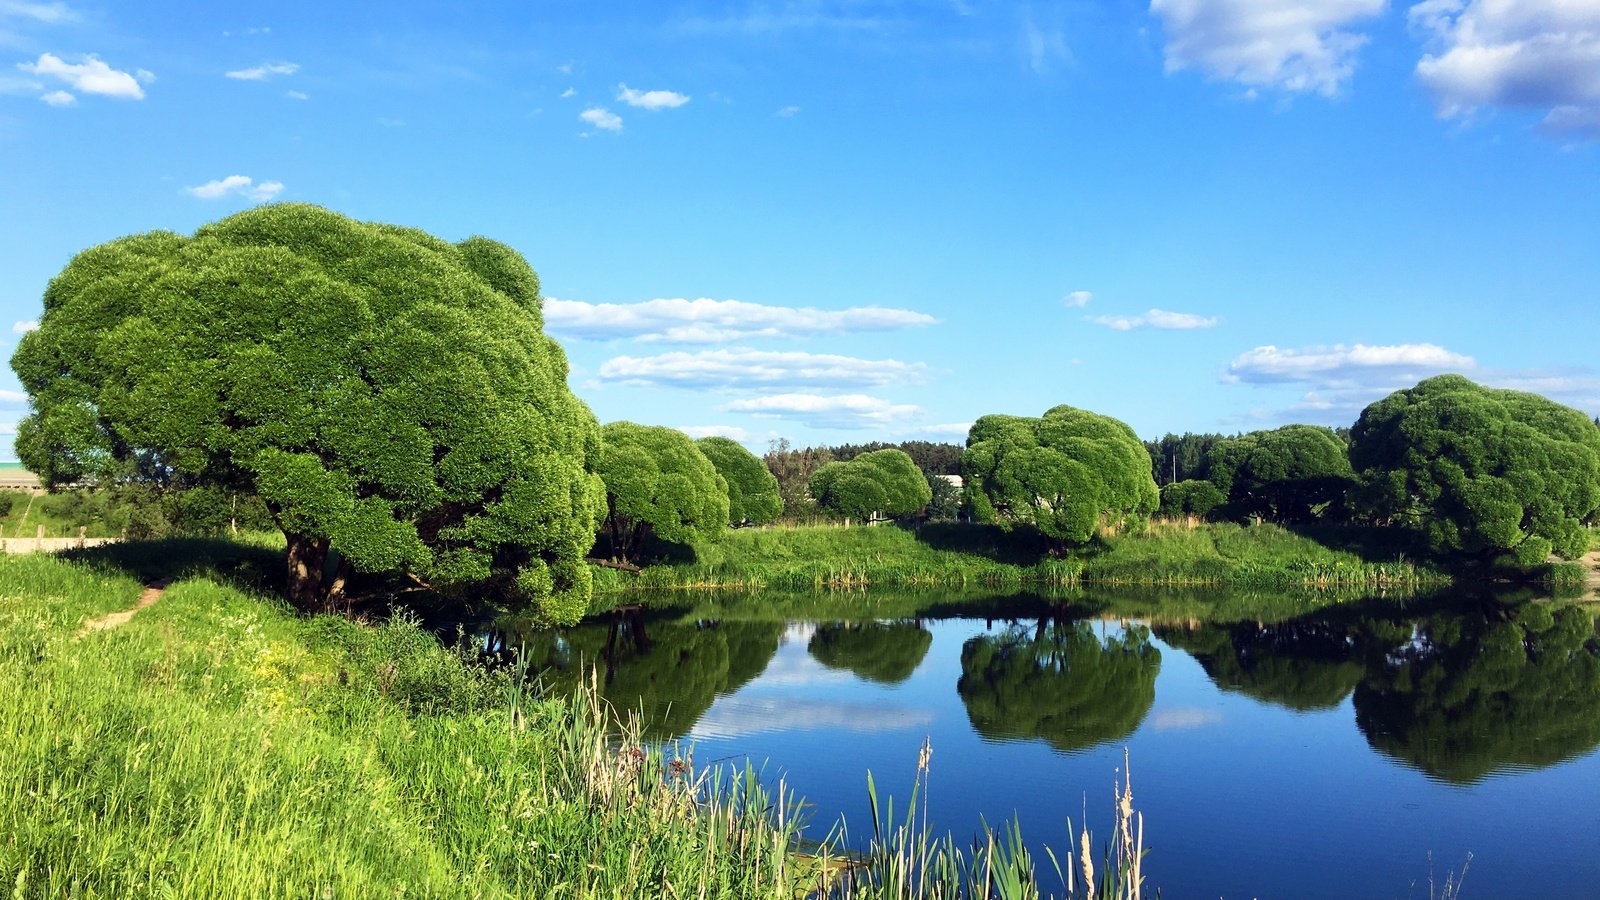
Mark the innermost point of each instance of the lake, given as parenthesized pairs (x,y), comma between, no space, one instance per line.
(1326,753)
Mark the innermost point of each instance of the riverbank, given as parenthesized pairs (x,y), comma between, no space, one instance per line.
(214,744)
(958,555)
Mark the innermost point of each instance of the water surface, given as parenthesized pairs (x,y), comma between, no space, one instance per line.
(1318,754)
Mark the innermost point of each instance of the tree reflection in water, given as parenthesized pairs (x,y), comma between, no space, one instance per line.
(1061,682)
(1473,695)
(881,652)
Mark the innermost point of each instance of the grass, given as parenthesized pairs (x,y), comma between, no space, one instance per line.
(1266,556)
(218,745)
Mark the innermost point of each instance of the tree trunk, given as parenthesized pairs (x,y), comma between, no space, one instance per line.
(335,596)
(305,560)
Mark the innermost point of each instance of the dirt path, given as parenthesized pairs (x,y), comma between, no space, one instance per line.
(152,593)
(1591,567)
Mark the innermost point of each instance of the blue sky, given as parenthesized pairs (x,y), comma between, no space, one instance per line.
(859,220)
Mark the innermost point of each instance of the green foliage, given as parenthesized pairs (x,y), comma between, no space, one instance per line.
(1066,473)
(1288,474)
(1176,458)
(882,652)
(1304,664)
(1473,695)
(1483,472)
(1060,683)
(391,397)
(931,457)
(753,497)
(1190,498)
(658,482)
(882,482)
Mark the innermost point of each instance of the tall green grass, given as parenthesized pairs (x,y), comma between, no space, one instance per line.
(973,555)
(219,746)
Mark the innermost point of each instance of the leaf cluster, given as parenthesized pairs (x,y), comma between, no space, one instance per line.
(882,482)
(753,496)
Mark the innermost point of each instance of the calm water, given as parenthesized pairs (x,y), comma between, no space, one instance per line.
(1327,754)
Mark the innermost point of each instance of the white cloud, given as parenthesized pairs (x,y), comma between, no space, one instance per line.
(1345,366)
(1184,718)
(59,98)
(242,185)
(48,13)
(25,326)
(651,100)
(569,92)
(732,432)
(1077,299)
(787,112)
(1043,47)
(1534,54)
(92,76)
(732,717)
(743,368)
(1157,318)
(707,321)
(263,71)
(1293,45)
(297,95)
(11,398)
(958,430)
(601,117)
(846,411)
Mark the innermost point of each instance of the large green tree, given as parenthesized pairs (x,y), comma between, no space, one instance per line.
(658,483)
(884,482)
(1066,473)
(391,397)
(1288,474)
(884,652)
(753,497)
(1482,472)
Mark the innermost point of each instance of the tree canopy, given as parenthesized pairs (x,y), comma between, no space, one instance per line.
(1066,473)
(1283,475)
(1482,472)
(657,482)
(881,481)
(1190,498)
(753,497)
(884,652)
(1062,683)
(390,396)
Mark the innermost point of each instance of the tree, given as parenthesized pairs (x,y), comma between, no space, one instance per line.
(882,652)
(1190,498)
(1288,474)
(1472,695)
(1066,473)
(883,482)
(753,497)
(657,482)
(391,397)
(1177,458)
(1481,472)
(793,469)
(1062,683)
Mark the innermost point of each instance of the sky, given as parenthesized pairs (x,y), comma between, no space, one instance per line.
(852,220)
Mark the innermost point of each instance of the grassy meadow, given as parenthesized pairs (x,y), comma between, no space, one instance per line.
(217,745)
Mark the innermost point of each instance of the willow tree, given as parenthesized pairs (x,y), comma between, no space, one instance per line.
(1481,472)
(753,497)
(882,482)
(658,483)
(1287,474)
(1066,473)
(390,396)
(883,652)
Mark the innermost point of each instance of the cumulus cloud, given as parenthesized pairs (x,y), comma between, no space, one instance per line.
(297,95)
(844,411)
(706,321)
(240,185)
(263,71)
(733,717)
(1156,318)
(742,368)
(25,326)
(92,76)
(732,432)
(569,92)
(602,118)
(1182,718)
(1341,365)
(944,430)
(787,112)
(11,398)
(651,100)
(1077,299)
(59,98)
(1301,46)
(1533,54)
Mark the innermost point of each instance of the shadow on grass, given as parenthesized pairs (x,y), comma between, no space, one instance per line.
(1021,546)
(250,566)
(1371,544)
